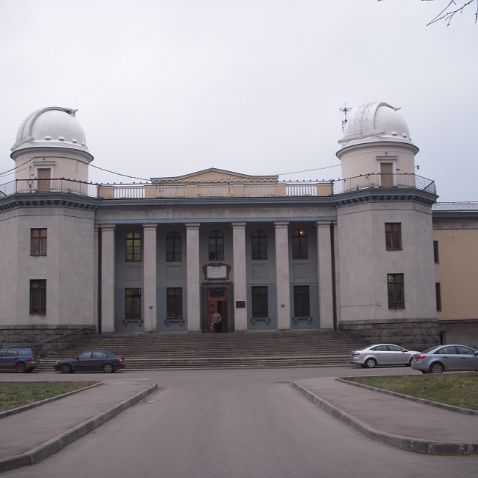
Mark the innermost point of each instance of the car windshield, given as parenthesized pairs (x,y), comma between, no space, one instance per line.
(426,351)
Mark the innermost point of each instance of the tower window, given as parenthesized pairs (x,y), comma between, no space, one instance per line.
(38,239)
(393,236)
(38,297)
(396,292)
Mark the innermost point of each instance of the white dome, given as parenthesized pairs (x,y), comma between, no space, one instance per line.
(374,123)
(51,127)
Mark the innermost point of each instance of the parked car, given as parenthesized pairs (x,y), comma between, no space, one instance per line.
(91,361)
(382,354)
(446,358)
(20,359)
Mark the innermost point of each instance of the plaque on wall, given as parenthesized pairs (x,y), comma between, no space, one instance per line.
(218,271)
(240,304)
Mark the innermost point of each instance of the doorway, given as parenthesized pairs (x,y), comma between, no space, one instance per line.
(386,172)
(217,316)
(44,177)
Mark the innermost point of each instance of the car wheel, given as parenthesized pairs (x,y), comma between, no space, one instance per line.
(20,367)
(437,367)
(65,368)
(370,363)
(108,368)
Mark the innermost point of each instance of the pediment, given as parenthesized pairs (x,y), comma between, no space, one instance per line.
(214,175)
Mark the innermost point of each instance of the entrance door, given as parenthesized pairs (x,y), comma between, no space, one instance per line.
(44,176)
(217,319)
(386,171)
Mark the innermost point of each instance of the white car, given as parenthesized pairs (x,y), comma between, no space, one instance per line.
(382,354)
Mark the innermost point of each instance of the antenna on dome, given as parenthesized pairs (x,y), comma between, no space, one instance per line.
(344,110)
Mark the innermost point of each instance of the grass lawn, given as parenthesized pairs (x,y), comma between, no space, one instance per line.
(458,389)
(14,394)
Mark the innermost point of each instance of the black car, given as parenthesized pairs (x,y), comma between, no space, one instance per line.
(91,361)
(20,359)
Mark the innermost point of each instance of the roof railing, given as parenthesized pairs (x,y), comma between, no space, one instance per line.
(217,190)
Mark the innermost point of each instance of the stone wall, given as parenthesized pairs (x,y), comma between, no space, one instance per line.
(44,340)
(410,333)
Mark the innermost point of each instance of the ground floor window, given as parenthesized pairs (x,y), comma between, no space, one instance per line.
(301,301)
(38,297)
(259,302)
(396,293)
(132,304)
(174,302)
(438,295)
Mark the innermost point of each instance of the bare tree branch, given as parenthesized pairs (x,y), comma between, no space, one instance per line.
(452,8)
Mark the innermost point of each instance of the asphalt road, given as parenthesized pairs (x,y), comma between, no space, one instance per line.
(235,424)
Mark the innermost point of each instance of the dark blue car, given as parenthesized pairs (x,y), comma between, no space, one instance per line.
(20,359)
(90,362)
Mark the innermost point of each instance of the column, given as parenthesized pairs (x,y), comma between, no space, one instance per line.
(192,284)
(239,276)
(108,278)
(282,274)
(149,274)
(324,266)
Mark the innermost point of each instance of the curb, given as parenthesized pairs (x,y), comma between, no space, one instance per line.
(54,445)
(415,445)
(24,408)
(450,408)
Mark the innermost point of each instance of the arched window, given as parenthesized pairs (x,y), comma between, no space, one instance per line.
(133,247)
(173,247)
(259,245)
(300,248)
(216,246)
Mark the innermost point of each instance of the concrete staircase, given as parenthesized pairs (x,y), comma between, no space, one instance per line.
(234,350)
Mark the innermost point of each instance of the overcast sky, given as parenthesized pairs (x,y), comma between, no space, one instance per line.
(168,87)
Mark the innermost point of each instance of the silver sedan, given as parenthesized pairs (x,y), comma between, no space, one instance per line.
(446,358)
(382,354)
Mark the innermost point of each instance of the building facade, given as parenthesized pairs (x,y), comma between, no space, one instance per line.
(173,254)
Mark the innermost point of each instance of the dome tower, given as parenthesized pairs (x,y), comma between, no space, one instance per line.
(376,141)
(51,143)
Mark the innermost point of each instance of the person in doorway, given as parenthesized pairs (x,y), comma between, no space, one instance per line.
(216,321)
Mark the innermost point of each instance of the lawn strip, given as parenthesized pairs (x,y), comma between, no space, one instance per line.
(456,389)
(15,394)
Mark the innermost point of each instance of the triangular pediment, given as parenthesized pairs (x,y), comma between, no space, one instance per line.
(215,175)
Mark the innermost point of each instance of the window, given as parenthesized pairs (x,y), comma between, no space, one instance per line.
(438,295)
(436,254)
(299,245)
(393,236)
(259,245)
(38,297)
(174,302)
(260,304)
(396,295)
(132,304)
(133,247)
(173,247)
(38,242)
(216,246)
(301,301)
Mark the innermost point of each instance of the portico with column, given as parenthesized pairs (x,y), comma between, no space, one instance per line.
(150,277)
